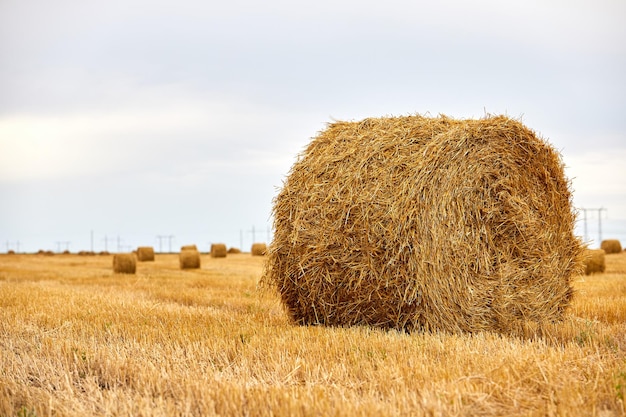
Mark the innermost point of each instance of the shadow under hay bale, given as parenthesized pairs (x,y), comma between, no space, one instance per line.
(124,263)
(218,250)
(611,246)
(425,223)
(145,253)
(258,249)
(189,259)
(594,261)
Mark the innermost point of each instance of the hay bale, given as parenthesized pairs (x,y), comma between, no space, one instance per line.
(218,250)
(234,250)
(145,253)
(258,249)
(124,263)
(425,223)
(188,247)
(189,259)
(611,246)
(594,261)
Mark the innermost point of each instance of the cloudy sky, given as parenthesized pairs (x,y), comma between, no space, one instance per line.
(128,120)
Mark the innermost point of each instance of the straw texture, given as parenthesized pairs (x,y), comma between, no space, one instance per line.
(189,259)
(594,261)
(611,246)
(258,249)
(425,223)
(218,250)
(145,253)
(124,263)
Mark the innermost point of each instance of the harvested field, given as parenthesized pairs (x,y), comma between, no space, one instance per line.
(77,339)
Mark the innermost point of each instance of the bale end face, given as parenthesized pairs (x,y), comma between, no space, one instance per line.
(611,246)
(258,249)
(218,250)
(145,254)
(124,263)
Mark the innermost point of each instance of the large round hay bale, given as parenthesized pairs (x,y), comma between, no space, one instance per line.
(189,259)
(124,263)
(611,246)
(145,253)
(258,249)
(218,250)
(425,223)
(234,250)
(594,261)
(188,247)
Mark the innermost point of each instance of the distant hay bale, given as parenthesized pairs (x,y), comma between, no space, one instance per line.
(422,223)
(145,253)
(48,253)
(189,259)
(10,252)
(258,249)
(218,250)
(124,263)
(188,247)
(102,253)
(594,261)
(234,250)
(611,246)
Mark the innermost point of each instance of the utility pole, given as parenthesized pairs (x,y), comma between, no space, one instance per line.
(253,234)
(241,239)
(169,238)
(599,210)
(61,243)
(106,243)
(91,240)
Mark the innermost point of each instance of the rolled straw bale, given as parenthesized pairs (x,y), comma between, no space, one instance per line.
(611,246)
(425,223)
(258,249)
(594,261)
(145,253)
(189,259)
(234,250)
(188,247)
(218,250)
(124,263)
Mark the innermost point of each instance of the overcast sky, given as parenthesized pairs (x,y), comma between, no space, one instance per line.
(136,118)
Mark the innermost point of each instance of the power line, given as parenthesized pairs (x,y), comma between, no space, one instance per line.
(161,238)
(599,210)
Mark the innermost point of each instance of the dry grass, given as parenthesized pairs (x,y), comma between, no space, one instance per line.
(426,223)
(218,250)
(124,263)
(611,246)
(594,261)
(258,249)
(76,339)
(189,259)
(145,254)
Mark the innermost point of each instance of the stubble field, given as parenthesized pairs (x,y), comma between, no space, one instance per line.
(76,340)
